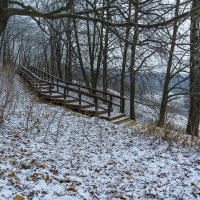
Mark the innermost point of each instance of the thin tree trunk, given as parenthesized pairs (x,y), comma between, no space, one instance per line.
(194,112)
(91,49)
(132,67)
(69,52)
(80,55)
(165,95)
(124,62)
(105,53)
(105,63)
(69,60)
(3,22)
(52,55)
(59,56)
(3,15)
(96,77)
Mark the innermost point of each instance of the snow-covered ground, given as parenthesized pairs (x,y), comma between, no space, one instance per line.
(48,152)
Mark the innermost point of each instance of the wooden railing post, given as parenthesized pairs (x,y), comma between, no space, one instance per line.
(96,103)
(122,105)
(79,94)
(50,90)
(65,93)
(111,100)
(109,109)
(95,99)
(67,85)
(110,106)
(57,83)
(40,86)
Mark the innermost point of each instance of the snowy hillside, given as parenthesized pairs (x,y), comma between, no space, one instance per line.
(48,152)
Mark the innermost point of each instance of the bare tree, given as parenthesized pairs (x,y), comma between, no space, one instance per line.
(194,113)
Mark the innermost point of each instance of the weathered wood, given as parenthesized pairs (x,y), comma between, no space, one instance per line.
(112,117)
(54,89)
(82,87)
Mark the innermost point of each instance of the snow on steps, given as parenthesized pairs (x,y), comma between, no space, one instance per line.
(49,93)
(118,118)
(85,108)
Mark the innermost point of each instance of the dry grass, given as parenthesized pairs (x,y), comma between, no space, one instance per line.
(7,93)
(169,134)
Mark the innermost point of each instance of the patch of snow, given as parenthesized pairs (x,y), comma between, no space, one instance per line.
(48,152)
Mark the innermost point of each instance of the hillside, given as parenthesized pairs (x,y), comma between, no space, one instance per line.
(48,152)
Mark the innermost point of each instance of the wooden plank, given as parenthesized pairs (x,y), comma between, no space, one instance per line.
(57,96)
(113,116)
(44,83)
(92,112)
(84,87)
(120,120)
(76,106)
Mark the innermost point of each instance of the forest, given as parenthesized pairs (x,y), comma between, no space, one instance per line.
(99,99)
(147,51)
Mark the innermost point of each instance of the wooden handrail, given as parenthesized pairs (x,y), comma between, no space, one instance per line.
(38,77)
(82,86)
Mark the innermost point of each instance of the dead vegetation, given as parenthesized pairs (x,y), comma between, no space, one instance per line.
(170,134)
(7,94)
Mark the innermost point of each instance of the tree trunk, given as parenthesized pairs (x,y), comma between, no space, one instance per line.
(3,23)
(105,63)
(91,48)
(99,59)
(79,54)
(59,56)
(132,67)
(194,112)
(105,53)
(3,15)
(69,53)
(52,54)
(165,95)
(69,49)
(124,63)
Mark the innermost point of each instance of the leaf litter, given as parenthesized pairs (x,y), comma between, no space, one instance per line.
(52,153)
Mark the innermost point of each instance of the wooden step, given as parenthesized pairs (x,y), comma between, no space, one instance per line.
(75,105)
(52,96)
(120,120)
(128,123)
(92,112)
(58,99)
(112,117)
(47,87)
(40,84)
(70,100)
(44,91)
(63,101)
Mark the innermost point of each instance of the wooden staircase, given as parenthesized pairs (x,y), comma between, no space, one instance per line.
(118,118)
(76,97)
